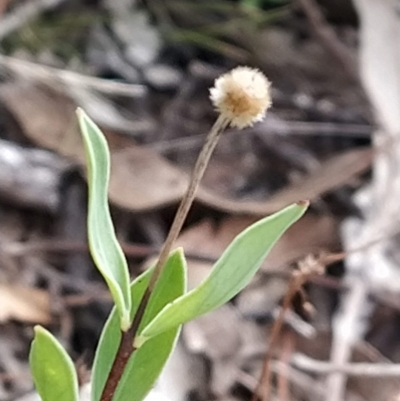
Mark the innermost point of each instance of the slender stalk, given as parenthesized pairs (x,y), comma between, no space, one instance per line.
(126,347)
(188,198)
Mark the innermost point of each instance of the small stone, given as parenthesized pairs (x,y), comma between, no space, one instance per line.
(162,76)
(142,40)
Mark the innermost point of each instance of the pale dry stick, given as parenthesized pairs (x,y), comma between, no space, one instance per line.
(295,377)
(312,389)
(297,324)
(24,14)
(347,325)
(362,369)
(46,74)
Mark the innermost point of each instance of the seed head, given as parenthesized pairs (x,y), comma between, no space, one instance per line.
(242,96)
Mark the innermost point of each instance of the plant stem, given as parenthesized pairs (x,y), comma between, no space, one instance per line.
(188,198)
(126,347)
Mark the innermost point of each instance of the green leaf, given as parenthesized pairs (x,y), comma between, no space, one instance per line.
(104,247)
(53,371)
(231,273)
(145,364)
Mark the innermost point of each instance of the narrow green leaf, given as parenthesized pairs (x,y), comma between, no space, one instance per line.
(231,273)
(146,363)
(104,247)
(53,371)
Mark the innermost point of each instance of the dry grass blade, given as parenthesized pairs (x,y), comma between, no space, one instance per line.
(24,14)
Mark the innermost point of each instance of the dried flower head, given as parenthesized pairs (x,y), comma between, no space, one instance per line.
(242,96)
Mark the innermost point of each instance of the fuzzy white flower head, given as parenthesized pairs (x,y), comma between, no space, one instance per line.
(242,96)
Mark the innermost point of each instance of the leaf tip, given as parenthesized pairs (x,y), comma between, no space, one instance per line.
(39,329)
(80,112)
(179,252)
(303,203)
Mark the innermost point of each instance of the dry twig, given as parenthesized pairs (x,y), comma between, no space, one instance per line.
(307,268)
(311,365)
(329,39)
(24,14)
(50,75)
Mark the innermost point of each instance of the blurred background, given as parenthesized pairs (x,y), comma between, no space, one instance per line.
(142,70)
